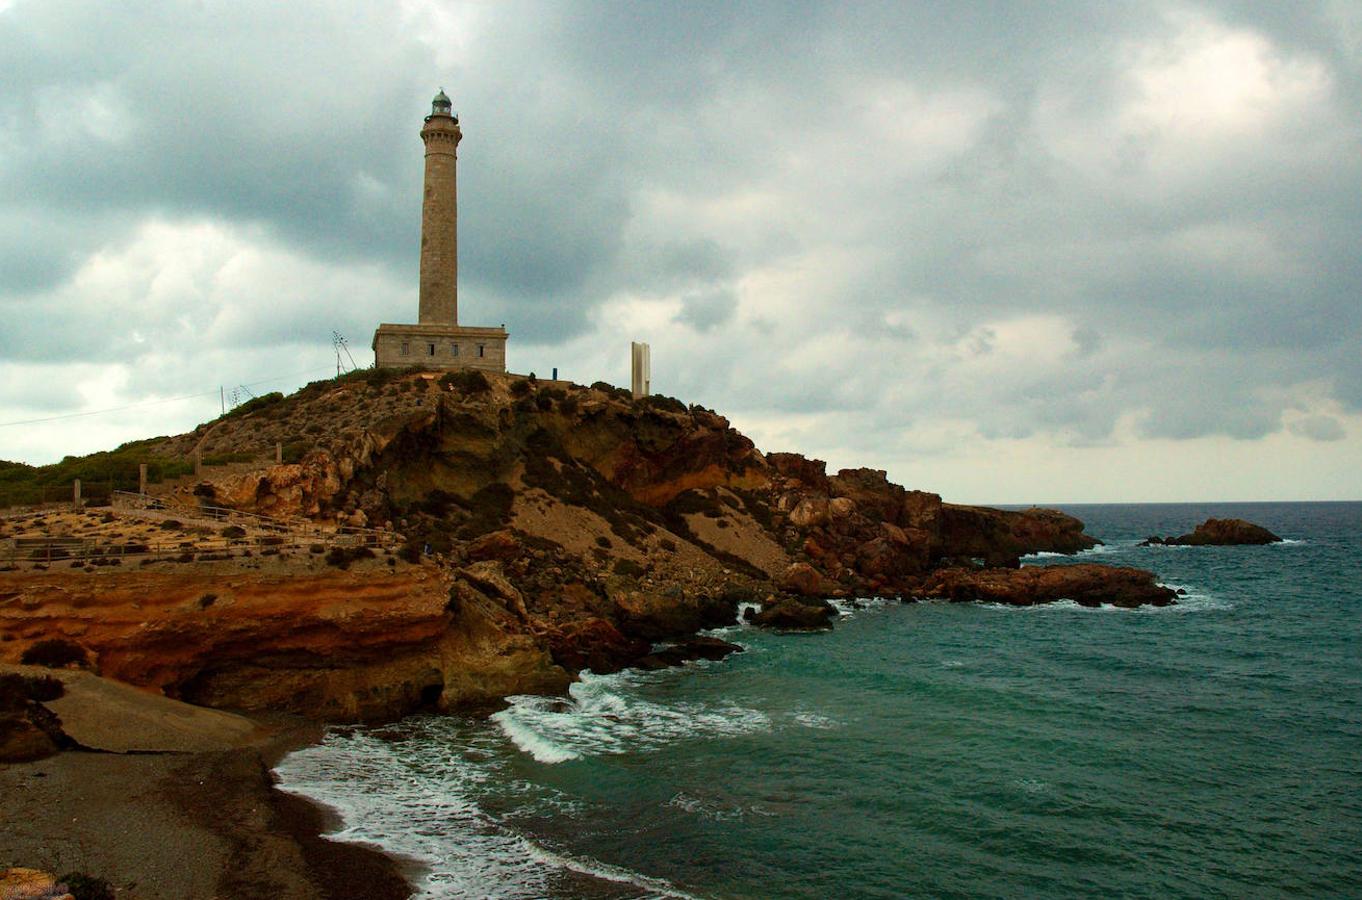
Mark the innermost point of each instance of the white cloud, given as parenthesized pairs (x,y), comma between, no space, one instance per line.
(990,257)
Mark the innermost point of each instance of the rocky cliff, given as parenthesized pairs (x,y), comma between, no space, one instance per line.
(545,528)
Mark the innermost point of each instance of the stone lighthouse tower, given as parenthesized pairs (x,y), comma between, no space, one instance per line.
(440,216)
(438,341)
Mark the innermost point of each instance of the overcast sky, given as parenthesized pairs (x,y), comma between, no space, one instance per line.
(1008,251)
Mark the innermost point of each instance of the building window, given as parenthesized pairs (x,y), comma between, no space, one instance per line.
(432,349)
(453,349)
(482,351)
(406,348)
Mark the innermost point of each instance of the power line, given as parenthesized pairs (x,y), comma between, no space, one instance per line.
(98,412)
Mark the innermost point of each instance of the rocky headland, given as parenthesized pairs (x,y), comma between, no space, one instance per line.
(529,530)
(427,542)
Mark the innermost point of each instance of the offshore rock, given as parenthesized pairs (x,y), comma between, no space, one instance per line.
(702,647)
(789,614)
(1218,532)
(1085,584)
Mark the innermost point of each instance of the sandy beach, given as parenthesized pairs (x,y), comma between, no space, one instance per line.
(179,824)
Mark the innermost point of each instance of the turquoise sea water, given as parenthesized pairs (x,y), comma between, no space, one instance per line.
(1208,749)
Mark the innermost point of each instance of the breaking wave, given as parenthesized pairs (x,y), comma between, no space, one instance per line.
(600,716)
(418,798)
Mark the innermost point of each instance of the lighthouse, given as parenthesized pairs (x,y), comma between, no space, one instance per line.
(440,216)
(438,341)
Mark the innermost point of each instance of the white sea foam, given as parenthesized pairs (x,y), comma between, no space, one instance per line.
(714,808)
(816,720)
(601,717)
(1193,600)
(727,631)
(411,800)
(1110,547)
(850,607)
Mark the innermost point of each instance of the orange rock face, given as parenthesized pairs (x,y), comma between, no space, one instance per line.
(338,645)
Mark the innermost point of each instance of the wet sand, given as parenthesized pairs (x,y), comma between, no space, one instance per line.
(183,826)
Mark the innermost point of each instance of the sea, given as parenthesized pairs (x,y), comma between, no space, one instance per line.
(1212,748)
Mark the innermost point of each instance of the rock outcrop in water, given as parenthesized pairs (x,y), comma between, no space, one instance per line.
(546,528)
(1085,584)
(1218,532)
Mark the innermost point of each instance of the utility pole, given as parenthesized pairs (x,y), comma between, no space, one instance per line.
(222,399)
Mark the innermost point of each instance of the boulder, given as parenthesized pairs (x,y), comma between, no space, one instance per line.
(500,544)
(668,614)
(1087,584)
(23,741)
(488,577)
(841,507)
(684,651)
(810,472)
(796,615)
(596,644)
(1219,533)
(811,512)
(803,579)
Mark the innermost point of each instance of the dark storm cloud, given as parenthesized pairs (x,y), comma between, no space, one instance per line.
(966,164)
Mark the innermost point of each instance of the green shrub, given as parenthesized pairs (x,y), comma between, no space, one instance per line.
(629,568)
(16,690)
(233,531)
(87,887)
(294,451)
(490,508)
(255,404)
(664,403)
(468,381)
(341,557)
(520,388)
(54,653)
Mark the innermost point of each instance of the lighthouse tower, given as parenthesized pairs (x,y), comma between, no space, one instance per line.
(437,341)
(440,216)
